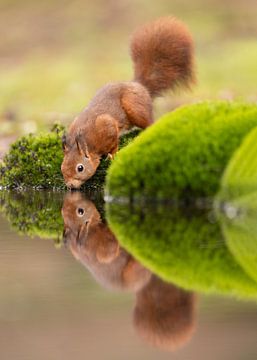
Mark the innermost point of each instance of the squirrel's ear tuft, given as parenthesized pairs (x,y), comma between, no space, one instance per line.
(86,151)
(65,235)
(64,142)
(81,145)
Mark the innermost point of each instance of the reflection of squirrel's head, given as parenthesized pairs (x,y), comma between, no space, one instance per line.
(78,164)
(84,230)
(164,314)
(95,246)
(77,211)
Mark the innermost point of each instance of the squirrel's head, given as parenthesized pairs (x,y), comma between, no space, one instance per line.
(78,164)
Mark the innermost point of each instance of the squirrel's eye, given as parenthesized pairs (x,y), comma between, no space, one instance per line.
(80,168)
(80,212)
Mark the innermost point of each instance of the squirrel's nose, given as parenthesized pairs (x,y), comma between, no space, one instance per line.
(73,185)
(70,185)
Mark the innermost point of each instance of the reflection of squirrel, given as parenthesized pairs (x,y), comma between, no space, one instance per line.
(94,245)
(162,52)
(163,313)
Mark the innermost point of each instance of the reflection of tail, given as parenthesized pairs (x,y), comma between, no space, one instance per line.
(164,314)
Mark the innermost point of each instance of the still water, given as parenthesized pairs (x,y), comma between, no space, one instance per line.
(72,285)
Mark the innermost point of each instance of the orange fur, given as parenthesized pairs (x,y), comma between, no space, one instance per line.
(162,52)
(164,315)
(94,245)
(138,107)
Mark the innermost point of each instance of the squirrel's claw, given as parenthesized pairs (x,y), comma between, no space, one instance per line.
(110,157)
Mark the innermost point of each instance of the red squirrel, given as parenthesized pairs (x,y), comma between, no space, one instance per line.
(162,52)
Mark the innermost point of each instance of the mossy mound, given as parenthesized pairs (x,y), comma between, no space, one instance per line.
(35,161)
(240,177)
(182,154)
(182,247)
(236,204)
(33,213)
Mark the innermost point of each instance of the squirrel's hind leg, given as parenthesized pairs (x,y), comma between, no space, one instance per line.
(138,107)
(106,135)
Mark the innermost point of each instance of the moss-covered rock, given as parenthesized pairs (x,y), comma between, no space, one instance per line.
(182,247)
(240,176)
(236,204)
(184,153)
(35,161)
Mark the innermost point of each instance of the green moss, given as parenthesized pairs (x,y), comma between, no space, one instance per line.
(182,247)
(241,236)
(33,213)
(240,176)
(236,204)
(184,153)
(35,161)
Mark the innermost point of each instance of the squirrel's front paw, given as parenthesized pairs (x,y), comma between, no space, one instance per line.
(110,157)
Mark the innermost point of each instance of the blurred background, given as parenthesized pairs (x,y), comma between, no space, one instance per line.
(55,54)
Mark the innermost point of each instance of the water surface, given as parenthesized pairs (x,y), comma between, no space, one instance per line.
(71,290)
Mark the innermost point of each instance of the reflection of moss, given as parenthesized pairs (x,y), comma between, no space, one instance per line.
(185,152)
(36,213)
(35,161)
(183,248)
(242,242)
(238,220)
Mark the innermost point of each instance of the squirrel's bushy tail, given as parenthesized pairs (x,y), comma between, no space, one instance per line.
(162,52)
